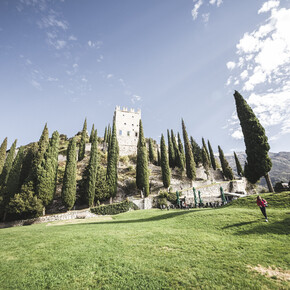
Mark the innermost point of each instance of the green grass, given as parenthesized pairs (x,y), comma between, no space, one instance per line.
(153,249)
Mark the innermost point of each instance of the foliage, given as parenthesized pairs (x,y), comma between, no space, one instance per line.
(47,172)
(205,148)
(115,208)
(179,162)
(130,186)
(142,172)
(112,176)
(102,188)
(92,134)
(92,172)
(68,193)
(258,161)
(227,171)
(180,147)
(124,159)
(151,151)
(170,196)
(279,187)
(238,165)
(189,160)
(82,145)
(171,153)
(133,158)
(205,161)
(212,158)
(165,170)
(196,151)
(3,149)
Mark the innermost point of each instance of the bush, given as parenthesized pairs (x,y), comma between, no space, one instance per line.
(124,159)
(133,158)
(114,208)
(130,186)
(170,196)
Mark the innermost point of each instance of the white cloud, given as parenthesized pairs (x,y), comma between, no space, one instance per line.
(109,76)
(100,58)
(135,99)
(237,134)
(84,80)
(52,20)
(72,38)
(267,6)
(244,74)
(75,65)
(231,65)
(205,17)
(96,44)
(51,79)
(194,11)
(36,84)
(217,2)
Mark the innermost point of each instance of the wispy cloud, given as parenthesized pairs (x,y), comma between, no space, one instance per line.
(197,6)
(194,11)
(95,44)
(263,66)
(135,99)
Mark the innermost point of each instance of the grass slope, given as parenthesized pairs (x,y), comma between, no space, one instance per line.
(153,249)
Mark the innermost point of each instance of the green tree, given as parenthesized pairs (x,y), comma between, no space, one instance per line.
(178,158)
(158,158)
(238,165)
(180,147)
(68,193)
(204,145)
(142,172)
(151,151)
(258,161)
(171,153)
(212,158)
(196,151)
(8,165)
(227,171)
(3,149)
(205,161)
(112,174)
(165,170)
(102,188)
(189,160)
(92,172)
(47,172)
(105,135)
(82,145)
(92,133)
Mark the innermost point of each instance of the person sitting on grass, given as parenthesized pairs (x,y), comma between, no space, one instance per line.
(262,203)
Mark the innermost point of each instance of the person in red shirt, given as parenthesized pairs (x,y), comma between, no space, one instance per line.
(262,203)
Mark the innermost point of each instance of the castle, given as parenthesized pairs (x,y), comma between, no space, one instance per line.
(127,129)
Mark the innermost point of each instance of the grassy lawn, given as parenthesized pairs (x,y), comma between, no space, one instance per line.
(153,249)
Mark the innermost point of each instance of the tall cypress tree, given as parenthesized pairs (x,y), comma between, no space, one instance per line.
(3,149)
(165,170)
(258,161)
(8,165)
(158,158)
(238,165)
(92,133)
(47,172)
(212,158)
(189,160)
(142,172)
(151,151)
(204,145)
(112,174)
(68,192)
(171,153)
(105,135)
(227,171)
(196,151)
(92,172)
(180,147)
(82,145)
(205,161)
(178,158)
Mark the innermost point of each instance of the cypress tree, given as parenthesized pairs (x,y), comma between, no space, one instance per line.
(180,147)
(47,172)
(258,161)
(151,151)
(92,172)
(82,145)
(205,148)
(189,160)
(196,151)
(3,149)
(68,192)
(102,189)
(171,153)
(92,134)
(105,135)
(178,158)
(205,161)
(142,173)
(8,164)
(227,171)
(112,174)
(165,170)
(158,158)
(238,165)
(212,158)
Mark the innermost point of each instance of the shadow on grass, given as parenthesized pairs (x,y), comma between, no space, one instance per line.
(239,224)
(277,227)
(144,220)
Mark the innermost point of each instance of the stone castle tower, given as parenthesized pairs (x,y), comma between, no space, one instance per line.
(127,129)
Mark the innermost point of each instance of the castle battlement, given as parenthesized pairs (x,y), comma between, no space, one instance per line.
(126,110)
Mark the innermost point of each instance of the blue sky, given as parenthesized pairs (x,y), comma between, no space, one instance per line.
(62,61)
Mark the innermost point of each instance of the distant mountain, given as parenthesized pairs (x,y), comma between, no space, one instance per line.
(280,169)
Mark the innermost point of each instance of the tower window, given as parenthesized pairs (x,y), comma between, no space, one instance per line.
(136,134)
(128,133)
(124,123)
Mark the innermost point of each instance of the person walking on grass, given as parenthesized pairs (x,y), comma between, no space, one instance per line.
(262,203)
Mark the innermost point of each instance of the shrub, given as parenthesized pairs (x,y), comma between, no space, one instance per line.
(130,186)
(114,208)
(165,196)
(133,158)
(124,159)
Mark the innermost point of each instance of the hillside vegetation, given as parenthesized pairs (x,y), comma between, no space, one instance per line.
(224,248)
